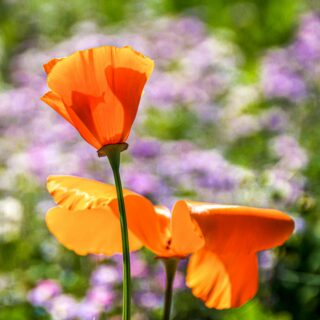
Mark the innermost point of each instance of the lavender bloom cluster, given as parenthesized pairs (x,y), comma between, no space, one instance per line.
(195,70)
(291,73)
(103,295)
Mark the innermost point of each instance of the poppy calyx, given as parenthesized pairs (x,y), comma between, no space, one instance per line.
(108,149)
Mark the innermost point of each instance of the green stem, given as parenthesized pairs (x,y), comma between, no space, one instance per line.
(113,153)
(171,267)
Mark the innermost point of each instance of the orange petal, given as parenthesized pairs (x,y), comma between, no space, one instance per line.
(223,281)
(84,71)
(49,65)
(145,223)
(126,86)
(126,77)
(164,217)
(186,234)
(94,231)
(102,88)
(76,193)
(240,229)
(85,115)
(55,102)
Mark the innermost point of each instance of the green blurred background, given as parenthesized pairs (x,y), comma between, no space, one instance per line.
(254,28)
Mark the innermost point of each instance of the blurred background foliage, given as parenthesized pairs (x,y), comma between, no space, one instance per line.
(258,130)
(254,25)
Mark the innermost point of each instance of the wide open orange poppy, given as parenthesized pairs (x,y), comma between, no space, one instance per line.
(223,240)
(224,273)
(98,91)
(86,219)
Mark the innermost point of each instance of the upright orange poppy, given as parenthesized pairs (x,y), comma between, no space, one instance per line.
(98,91)
(223,240)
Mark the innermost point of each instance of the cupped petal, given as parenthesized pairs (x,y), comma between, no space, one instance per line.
(76,193)
(85,71)
(101,120)
(135,60)
(121,103)
(49,65)
(82,125)
(101,88)
(164,217)
(87,114)
(223,281)
(55,102)
(230,229)
(92,231)
(187,237)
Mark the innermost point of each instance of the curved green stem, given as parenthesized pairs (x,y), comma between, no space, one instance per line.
(171,267)
(113,153)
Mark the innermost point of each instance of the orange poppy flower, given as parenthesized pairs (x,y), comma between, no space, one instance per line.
(98,91)
(223,240)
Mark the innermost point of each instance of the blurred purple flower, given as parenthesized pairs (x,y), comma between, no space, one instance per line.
(165,47)
(190,28)
(87,310)
(266,259)
(208,113)
(163,90)
(149,300)
(142,182)
(216,181)
(280,79)
(299,224)
(307,45)
(160,278)
(105,275)
(42,161)
(139,268)
(146,148)
(101,295)
(274,120)
(44,292)
(211,170)
(291,155)
(179,281)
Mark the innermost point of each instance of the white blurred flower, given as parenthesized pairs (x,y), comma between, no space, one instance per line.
(287,185)
(242,126)
(63,307)
(4,283)
(240,97)
(11,213)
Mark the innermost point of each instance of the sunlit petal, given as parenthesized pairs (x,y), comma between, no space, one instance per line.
(55,102)
(223,280)
(101,90)
(49,65)
(230,229)
(187,237)
(92,231)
